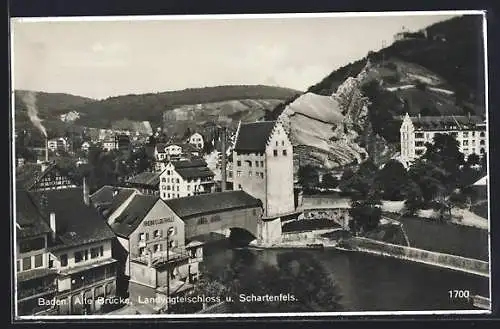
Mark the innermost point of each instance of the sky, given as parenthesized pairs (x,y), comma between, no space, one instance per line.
(101,59)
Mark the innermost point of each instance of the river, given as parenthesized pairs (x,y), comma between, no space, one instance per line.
(367,282)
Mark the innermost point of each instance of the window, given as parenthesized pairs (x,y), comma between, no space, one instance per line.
(249,174)
(275,153)
(86,255)
(473,133)
(168,187)
(157,248)
(163,195)
(177,194)
(473,150)
(177,181)
(481,142)
(238,163)
(168,196)
(282,143)
(189,187)
(202,220)
(284,152)
(163,180)
(26,263)
(454,134)
(238,173)
(142,236)
(168,172)
(78,256)
(156,234)
(276,143)
(239,186)
(163,187)
(51,263)
(142,250)
(419,143)
(262,175)
(465,143)
(419,135)
(64,260)
(215,218)
(18,265)
(481,150)
(466,150)
(254,212)
(481,134)
(473,142)
(465,134)
(250,163)
(262,163)
(256,163)
(94,253)
(419,152)
(177,188)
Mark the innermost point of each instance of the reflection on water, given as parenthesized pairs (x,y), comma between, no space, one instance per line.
(366,282)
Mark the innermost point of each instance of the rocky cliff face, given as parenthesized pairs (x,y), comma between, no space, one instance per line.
(329,131)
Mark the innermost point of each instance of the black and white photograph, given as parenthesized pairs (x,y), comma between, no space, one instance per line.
(250,165)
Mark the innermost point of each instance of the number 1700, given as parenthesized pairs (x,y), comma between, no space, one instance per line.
(458,293)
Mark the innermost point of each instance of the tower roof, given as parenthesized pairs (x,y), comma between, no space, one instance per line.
(253,137)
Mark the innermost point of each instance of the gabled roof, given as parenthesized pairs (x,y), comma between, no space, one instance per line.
(195,172)
(133,214)
(455,122)
(145,178)
(253,137)
(32,182)
(212,202)
(194,162)
(28,218)
(76,223)
(108,198)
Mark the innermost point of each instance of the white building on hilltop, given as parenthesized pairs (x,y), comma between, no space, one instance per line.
(415,132)
(196,139)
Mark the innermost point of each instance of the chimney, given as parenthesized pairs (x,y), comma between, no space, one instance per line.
(223,162)
(86,198)
(46,149)
(53,225)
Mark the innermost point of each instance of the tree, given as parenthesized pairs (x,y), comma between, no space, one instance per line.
(473,160)
(392,177)
(413,198)
(329,181)
(308,176)
(365,214)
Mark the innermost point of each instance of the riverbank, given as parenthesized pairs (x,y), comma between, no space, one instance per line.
(379,248)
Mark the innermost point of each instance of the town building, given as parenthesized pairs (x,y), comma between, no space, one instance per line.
(163,153)
(185,178)
(85,146)
(58,144)
(51,177)
(263,166)
(35,277)
(146,182)
(155,259)
(122,141)
(109,144)
(196,140)
(78,249)
(416,131)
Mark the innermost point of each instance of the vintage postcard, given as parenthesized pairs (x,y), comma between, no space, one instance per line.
(250,165)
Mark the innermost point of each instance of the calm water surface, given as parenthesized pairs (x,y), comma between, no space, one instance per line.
(370,283)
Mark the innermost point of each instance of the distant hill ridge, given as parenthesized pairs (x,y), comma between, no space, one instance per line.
(142,107)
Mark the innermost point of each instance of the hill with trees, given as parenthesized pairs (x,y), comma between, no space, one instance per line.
(150,107)
(439,72)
